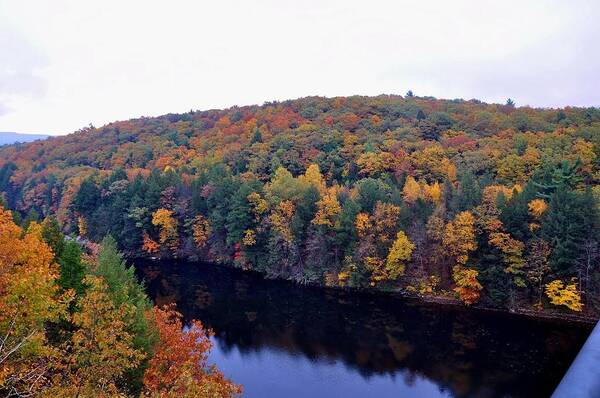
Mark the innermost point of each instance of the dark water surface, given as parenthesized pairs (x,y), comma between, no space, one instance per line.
(282,340)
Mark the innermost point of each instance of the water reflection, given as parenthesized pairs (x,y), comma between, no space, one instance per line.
(347,344)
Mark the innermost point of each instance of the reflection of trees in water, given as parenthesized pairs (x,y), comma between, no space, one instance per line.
(469,353)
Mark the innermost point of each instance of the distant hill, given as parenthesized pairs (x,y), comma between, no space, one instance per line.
(12,138)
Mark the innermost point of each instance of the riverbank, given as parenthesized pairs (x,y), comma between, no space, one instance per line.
(554,316)
(441,300)
(448,301)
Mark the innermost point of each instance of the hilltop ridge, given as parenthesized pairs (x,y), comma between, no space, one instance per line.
(7,138)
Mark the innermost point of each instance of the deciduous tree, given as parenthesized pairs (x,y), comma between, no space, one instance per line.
(467,287)
(179,366)
(560,293)
(168,234)
(411,191)
(400,253)
(29,298)
(201,230)
(459,237)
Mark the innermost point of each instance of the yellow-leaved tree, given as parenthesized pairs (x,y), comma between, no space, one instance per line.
(400,253)
(101,348)
(258,205)
(168,235)
(29,299)
(362,224)
(313,177)
(432,193)
(560,293)
(411,191)
(249,238)
(459,241)
(459,237)
(281,219)
(537,207)
(328,208)
(82,226)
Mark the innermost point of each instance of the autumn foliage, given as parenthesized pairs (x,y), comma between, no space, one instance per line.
(560,293)
(459,237)
(179,365)
(163,219)
(149,245)
(101,348)
(400,253)
(201,230)
(467,285)
(29,298)
(65,332)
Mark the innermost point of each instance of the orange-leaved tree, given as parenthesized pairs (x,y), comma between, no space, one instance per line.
(201,230)
(179,367)
(467,287)
(149,245)
(29,298)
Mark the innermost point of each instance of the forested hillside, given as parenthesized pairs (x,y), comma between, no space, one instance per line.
(490,204)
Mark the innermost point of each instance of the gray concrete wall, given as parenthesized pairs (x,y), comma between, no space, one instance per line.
(582,380)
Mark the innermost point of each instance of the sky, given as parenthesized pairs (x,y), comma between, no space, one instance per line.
(66,63)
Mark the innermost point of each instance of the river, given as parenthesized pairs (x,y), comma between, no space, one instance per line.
(279,339)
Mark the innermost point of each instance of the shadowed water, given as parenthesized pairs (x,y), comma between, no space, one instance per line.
(282,340)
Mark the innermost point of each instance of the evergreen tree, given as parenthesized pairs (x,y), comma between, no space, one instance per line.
(570,218)
(240,218)
(345,229)
(370,191)
(468,195)
(53,236)
(256,137)
(32,215)
(515,213)
(87,198)
(564,176)
(6,172)
(124,288)
(72,269)
(305,212)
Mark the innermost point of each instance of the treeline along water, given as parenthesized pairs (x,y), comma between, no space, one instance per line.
(280,339)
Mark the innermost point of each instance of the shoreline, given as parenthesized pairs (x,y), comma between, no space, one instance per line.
(445,301)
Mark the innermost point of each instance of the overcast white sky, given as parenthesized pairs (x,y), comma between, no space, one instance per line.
(65,64)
